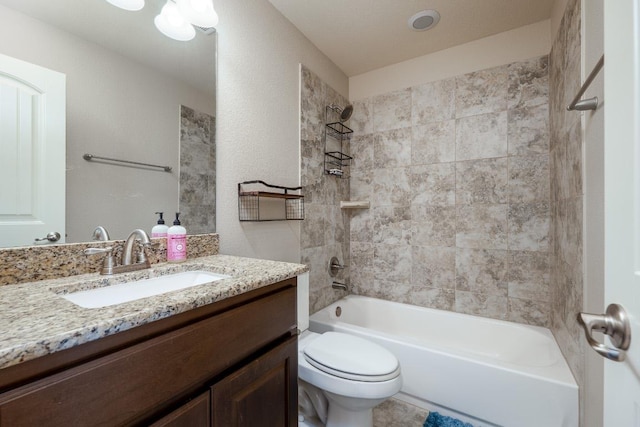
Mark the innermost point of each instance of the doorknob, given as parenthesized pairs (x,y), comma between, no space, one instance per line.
(615,324)
(54,236)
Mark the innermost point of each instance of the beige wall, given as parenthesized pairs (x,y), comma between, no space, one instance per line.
(511,46)
(103,119)
(259,53)
(557,12)
(593,125)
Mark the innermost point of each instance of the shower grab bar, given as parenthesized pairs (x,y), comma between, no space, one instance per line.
(90,157)
(589,103)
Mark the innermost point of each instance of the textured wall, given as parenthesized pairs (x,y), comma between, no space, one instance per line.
(566,190)
(257,119)
(325,231)
(457,172)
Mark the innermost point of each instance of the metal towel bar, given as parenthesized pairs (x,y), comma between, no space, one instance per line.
(89,157)
(590,103)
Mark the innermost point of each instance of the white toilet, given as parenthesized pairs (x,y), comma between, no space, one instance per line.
(341,377)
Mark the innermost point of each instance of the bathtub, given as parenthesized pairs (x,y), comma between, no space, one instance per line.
(483,371)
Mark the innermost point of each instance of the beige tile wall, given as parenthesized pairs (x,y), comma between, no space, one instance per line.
(457,173)
(197,172)
(566,191)
(325,230)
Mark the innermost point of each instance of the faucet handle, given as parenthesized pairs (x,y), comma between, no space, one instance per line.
(109,263)
(95,251)
(335,266)
(142,255)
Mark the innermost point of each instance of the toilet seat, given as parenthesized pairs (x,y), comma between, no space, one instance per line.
(350,357)
(333,384)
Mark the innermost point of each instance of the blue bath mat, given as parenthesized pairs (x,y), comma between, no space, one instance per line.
(436,420)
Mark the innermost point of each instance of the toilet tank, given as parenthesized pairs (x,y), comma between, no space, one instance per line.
(303,302)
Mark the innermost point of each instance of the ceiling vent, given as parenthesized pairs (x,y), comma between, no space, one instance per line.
(424,20)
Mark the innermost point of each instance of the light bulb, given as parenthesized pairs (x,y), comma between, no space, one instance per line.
(173,16)
(199,5)
(172,24)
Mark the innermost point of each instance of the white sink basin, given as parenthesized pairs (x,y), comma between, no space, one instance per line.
(130,291)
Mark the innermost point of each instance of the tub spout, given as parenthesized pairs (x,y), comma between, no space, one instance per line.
(338,285)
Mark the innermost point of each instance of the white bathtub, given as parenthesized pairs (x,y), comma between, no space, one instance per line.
(488,372)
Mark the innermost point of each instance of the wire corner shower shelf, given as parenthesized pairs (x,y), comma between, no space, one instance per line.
(337,162)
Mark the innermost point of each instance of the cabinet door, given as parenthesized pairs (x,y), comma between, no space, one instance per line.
(262,393)
(195,413)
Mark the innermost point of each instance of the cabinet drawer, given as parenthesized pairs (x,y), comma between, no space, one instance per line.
(129,386)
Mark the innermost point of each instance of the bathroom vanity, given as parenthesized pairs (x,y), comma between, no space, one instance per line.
(230,361)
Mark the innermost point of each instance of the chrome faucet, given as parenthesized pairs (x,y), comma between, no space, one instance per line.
(340,285)
(138,238)
(127,252)
(100,234)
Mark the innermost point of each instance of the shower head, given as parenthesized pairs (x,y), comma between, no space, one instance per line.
(345,112)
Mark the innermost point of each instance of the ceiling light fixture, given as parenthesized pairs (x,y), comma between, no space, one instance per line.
(132,5)
(199,12)
(424,20)
(172,24)
(178,17)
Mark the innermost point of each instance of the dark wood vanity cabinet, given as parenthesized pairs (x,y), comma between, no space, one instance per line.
(260,393)
(232,363)
(195,413)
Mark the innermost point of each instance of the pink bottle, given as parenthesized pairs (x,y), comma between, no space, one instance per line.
(176,242)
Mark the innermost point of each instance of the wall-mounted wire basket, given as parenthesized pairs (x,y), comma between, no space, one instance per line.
(339,130)
(259,201)
(336,163)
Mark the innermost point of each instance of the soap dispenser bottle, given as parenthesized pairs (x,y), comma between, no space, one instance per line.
(176,241)
(160,229)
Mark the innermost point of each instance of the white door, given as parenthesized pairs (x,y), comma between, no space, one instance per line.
(32,153)
(622,202)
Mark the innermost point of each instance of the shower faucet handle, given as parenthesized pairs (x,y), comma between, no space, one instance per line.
(335,266)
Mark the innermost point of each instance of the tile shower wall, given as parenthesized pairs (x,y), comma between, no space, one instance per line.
(566,191)
(325,230)
(197,172)
(457,173)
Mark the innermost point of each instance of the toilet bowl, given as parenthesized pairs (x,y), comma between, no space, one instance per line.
(353,374)
(341,376)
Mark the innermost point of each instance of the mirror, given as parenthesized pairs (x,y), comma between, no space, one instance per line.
(131,94)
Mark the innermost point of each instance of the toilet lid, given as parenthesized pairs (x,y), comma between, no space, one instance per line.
(351,357)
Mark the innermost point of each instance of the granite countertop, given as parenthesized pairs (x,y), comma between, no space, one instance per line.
(36,320)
